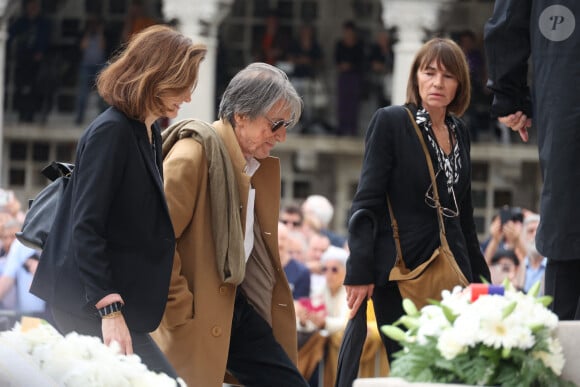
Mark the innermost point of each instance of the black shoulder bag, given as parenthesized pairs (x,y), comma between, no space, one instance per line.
(43,208)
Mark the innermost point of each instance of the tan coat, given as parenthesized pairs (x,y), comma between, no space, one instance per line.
(196,326)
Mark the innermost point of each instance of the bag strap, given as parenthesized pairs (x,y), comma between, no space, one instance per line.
(394,224)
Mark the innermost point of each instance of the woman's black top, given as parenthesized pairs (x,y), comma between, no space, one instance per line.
(394,164)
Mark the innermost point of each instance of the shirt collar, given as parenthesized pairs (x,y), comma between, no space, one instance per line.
(252,166)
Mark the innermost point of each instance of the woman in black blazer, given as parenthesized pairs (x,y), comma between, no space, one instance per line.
(106,265)
(394,164)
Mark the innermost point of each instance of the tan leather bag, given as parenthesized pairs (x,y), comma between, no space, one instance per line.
(437,273)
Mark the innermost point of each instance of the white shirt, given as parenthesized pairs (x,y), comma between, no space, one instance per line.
(252,166)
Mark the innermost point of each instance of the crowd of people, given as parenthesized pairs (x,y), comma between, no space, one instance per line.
(363,66)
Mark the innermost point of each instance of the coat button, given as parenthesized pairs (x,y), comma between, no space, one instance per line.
(223,290)
(216,331)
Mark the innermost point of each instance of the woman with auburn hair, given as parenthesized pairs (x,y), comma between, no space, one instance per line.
(106,265)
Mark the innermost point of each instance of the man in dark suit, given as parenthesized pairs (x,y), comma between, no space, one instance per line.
(546,30)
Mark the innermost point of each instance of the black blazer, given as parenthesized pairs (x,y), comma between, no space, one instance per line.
(112,233)
(394,164)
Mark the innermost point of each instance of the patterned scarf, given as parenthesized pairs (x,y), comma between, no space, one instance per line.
(449,164)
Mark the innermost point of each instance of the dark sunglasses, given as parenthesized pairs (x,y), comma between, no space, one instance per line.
(278,124)
(333,269)
(293,223)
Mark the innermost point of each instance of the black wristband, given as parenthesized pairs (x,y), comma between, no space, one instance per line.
(111,308)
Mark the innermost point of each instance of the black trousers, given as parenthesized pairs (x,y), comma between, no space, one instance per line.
(562,282)
(388,305)
(143,344)
(255,358)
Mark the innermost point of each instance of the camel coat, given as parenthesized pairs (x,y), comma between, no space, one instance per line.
(195,330)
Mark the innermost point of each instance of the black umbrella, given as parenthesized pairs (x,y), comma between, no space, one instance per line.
(351,348)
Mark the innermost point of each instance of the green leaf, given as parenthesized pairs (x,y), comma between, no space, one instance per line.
(545,300)
(508,309)
(535,289)
(394,333)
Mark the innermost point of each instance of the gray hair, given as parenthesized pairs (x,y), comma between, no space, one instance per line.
(320,207)
(255,89)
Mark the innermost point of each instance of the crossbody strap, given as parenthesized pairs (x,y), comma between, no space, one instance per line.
(394,224)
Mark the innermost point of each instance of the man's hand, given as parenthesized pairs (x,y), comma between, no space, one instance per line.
(518,122)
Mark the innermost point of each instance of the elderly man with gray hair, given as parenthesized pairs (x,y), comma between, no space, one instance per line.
(230,308)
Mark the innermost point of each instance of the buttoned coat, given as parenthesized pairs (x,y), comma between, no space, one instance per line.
(195,329)
(112,232)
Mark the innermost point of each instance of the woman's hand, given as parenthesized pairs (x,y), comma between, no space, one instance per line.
(356,295)
(115,329)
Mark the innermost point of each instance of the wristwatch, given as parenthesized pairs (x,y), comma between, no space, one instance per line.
(110,309)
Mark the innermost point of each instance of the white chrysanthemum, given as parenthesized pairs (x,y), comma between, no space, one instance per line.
(79,360)
(466,329)
(449,346)
(553,359)
(431,322)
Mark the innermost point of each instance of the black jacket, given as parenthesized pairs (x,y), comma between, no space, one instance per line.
(549,32)
(394,164)
(112,233)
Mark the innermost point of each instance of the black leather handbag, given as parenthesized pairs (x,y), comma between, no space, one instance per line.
(43,208)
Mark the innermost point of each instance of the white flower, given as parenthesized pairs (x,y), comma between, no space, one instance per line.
(79,360)
(432,321)
(554,358)
(491,327)
(449,346)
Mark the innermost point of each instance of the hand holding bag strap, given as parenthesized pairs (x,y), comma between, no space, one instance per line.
(394,225)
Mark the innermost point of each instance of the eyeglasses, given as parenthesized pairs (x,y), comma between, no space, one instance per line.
(333,269)
(430,201)
(295,223)
(278,124)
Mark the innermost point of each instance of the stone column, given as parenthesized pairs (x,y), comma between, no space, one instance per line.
(412,18)
(200,21)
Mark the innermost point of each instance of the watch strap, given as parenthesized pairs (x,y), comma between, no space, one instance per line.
(111,308)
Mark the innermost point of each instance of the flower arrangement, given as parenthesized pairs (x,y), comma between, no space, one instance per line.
(42,355)
(471,337)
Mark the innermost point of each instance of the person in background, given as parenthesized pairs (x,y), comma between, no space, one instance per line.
(274,44)
(533,266)
(106,264)
(291,216)
(230,310)
(322,209)
(297,274)
(7,236)
(382,59)
(317,245)
(395,167)
(136,20)
(505,233)
(29,38)
(306,57)
(93,48)
(20,266)
(547,32)
(505,264)
(349,58)
(323,314)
